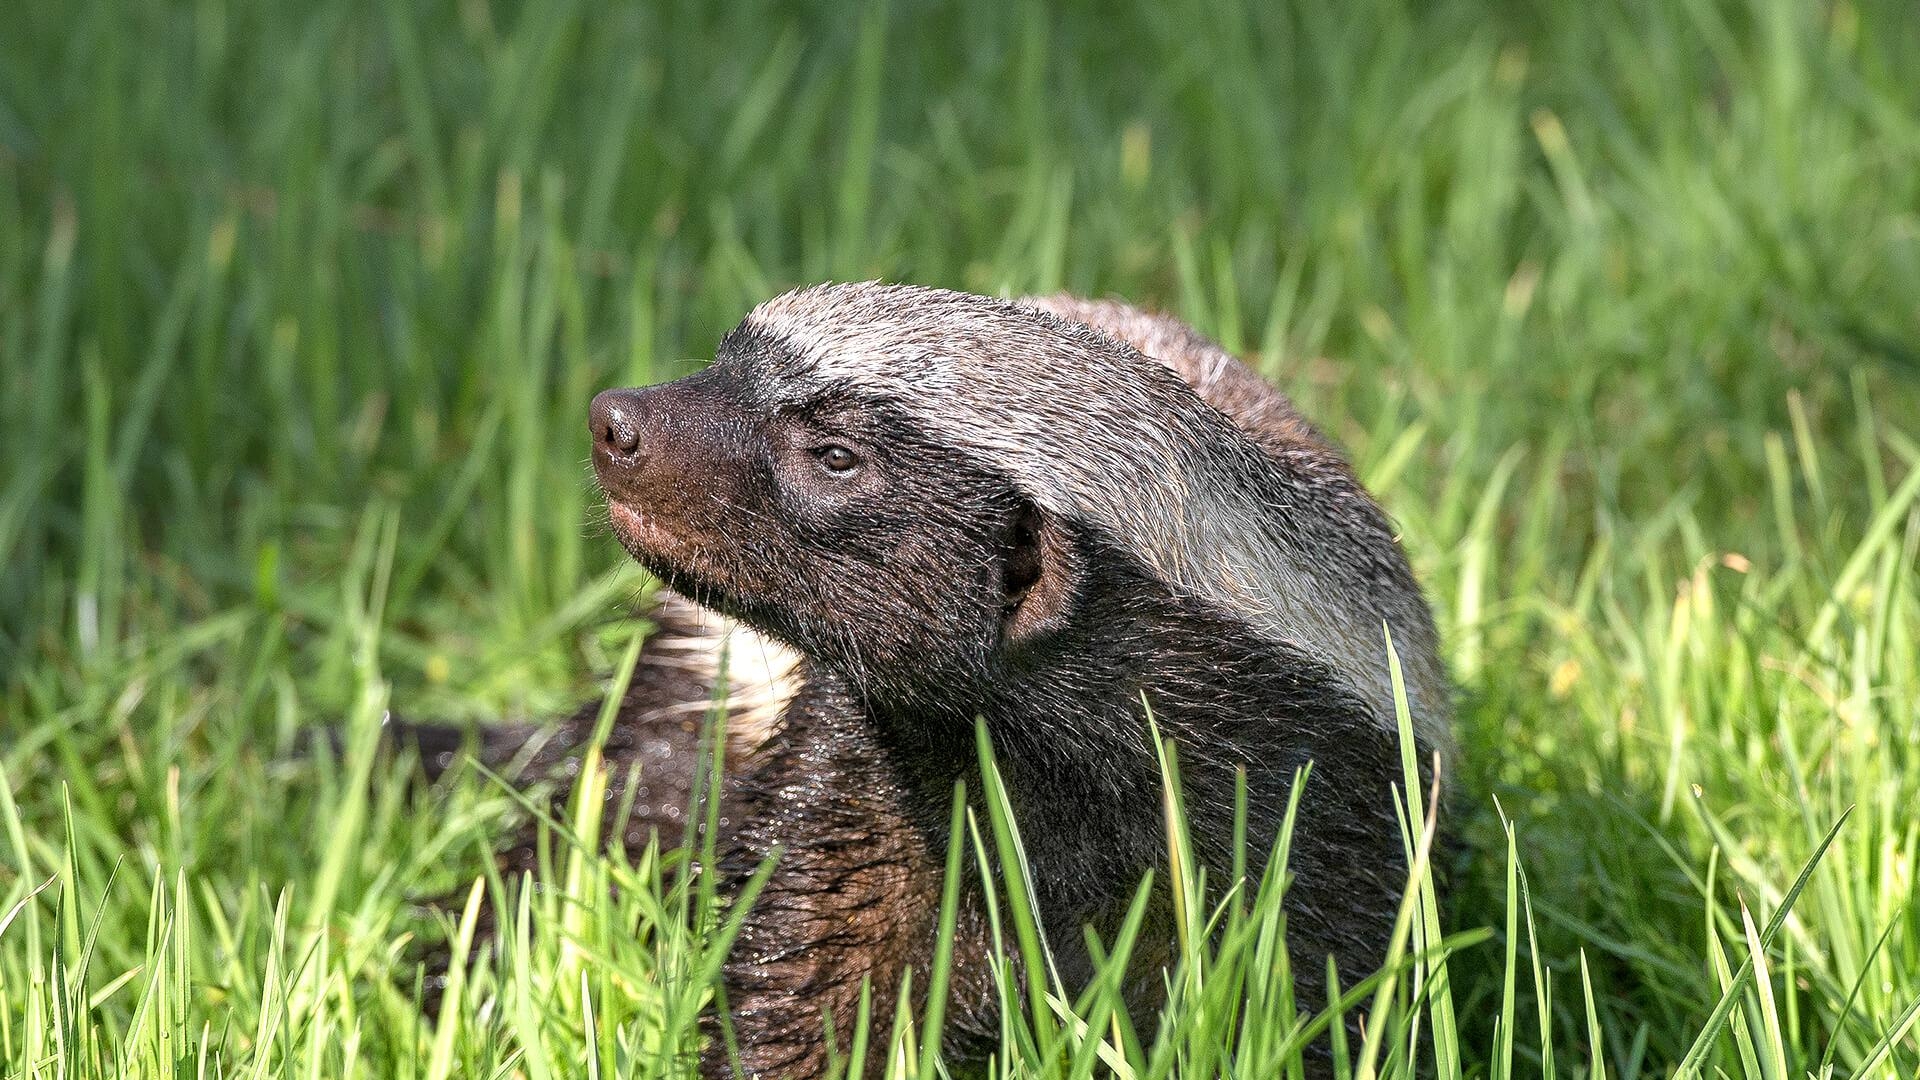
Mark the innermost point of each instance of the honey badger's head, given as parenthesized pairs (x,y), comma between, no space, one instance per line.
(918,487)
(789,488)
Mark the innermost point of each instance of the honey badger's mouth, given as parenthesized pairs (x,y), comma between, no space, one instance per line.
(653,544)
(682,565)
(634,528)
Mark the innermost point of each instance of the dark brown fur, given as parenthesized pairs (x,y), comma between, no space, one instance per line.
(929,587)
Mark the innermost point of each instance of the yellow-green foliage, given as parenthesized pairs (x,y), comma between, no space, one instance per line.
(1613,303)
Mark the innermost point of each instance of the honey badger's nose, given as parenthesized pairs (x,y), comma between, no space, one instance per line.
(615,418)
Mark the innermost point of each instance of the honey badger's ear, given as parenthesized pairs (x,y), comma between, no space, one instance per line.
(1042,575)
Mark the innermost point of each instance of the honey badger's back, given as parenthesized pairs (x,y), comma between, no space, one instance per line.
(1270,419)
(1260,410)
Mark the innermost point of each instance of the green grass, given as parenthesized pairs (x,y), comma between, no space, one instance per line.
(1614,304)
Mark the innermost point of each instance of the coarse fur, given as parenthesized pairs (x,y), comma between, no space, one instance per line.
(1038,515)
(1070,399)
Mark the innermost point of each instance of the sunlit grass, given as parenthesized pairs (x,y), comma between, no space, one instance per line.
(301,304)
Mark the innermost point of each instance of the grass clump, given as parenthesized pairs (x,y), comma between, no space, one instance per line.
(301,303)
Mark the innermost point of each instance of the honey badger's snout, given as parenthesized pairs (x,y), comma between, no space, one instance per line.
(647,441)
(631,433)
(670,459)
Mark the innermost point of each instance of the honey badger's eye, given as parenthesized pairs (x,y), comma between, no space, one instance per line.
(837,459)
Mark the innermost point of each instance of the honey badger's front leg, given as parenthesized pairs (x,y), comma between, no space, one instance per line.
(854,897)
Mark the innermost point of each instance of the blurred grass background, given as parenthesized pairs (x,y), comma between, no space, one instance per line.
(1617,305)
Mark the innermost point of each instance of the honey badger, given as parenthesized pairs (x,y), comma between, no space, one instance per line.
(912,508)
